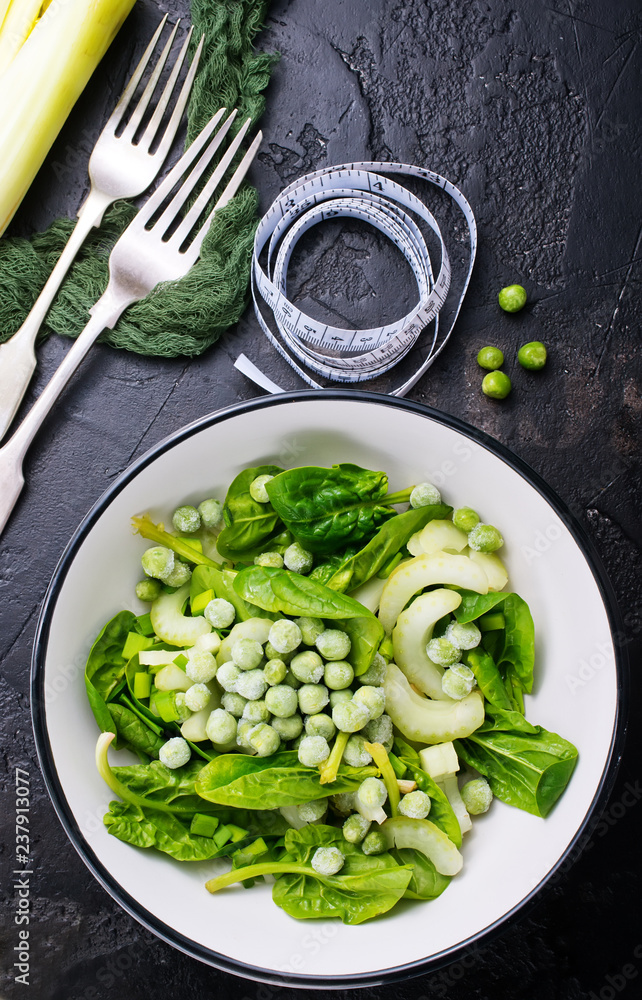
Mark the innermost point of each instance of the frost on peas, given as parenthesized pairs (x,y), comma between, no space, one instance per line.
(443,652)
(338,674)
(343,803)
(313,750)
(376,672)
(311,629)
(485,538)
(416,805)
(313,698)
(355,828)
(243,731)
(275,671)
(264,739)
(285,636)
(424,494)
(372,793)
(247,653)
(463,636)
(198,697)
(350,716)
(298,559)
(307,667)
(373,698)
(310,812)
(200,666)
(211,512)
(186,519)
(292,681)
(148,590)
(333,644)
(327,860)
(175,752)
(288,728)
(281,700)
(181,574)
(256,711)
(465,518)
(273,559)
(380,731)
(181,707)
(233,703)
(374,843)
(337,697)
(458,681)
(227,675)
(477,796)
(158,562)
(273,654)
(221,726)
(251,684)
(320,725)
(355,753)
(220,613)
(258,491)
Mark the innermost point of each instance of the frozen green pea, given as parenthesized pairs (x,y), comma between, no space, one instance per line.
(424,494)
(273,654)
(355,828)
(148,590)
(343,803)
(443,652)
(285,636)
(355,753)
(247,653)
(175,752)
(512,298)
(327,860)
(307,667)
(180,705)
(374,843)
(186,519)
(198,697)
(333,644)
(273,559)
(281,700)
(233,703)
(350,716)
(532,355)
(312,698)
(337,697)
(211,512)
(221,726)
(251,684)
(298,559)
(310,812)
(200,666)
(243,731)
(220,613)
(320,725)
(416,805)
(485,538)
(313,750)
(372,793)
(379,731)
(477,796)
(373,698)
(158,562)
(292,681)
(256,711)
(311,629)
(376,672)
(274,671)
(458,681)
(338,674)
(227,675)
(264,739)
(258,491)
(496,385)
(179,575)
(465,518)
(490,358)
(288,728)
(465,636)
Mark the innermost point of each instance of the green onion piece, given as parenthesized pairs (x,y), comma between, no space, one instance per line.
(201,601)
(203,825)
(142,684)
(134,643)
(144,525)
(491,621)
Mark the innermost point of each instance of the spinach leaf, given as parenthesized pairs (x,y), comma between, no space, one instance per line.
(489,679)
(132,732)
(474,605)
(222,583)
(329,508)
(326,570)
(105,668)
(248,523)
(366,886)
(365,637)
(526,766)
(156,783)
(426,882)
(518,653)
(271,782)
(282,590)
(165,832)
(441,811)
(390,538)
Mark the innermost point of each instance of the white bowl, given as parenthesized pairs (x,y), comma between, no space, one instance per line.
(509,854)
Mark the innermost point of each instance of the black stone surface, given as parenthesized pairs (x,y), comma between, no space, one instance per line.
(533,111)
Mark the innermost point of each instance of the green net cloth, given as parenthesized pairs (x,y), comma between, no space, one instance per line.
(185,317)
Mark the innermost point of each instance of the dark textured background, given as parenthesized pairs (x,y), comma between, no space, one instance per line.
(532,110)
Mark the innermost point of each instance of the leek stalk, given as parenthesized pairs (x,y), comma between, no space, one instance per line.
(48,51)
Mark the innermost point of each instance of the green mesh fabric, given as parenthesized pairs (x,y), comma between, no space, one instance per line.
(179,318)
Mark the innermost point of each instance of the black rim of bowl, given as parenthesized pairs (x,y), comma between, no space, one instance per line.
(47,763)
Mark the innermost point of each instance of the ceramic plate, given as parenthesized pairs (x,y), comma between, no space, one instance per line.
(509,854)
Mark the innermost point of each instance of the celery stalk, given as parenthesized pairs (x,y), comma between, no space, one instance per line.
(17,25)
(42,83)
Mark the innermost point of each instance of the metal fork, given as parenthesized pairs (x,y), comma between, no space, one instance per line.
(149,251)
(118,168)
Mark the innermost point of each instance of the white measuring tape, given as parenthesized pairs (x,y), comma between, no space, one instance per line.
(359,191)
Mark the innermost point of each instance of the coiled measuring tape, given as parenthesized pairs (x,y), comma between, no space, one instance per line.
(359,191)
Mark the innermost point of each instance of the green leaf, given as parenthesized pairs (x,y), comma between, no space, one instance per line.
(105,668)
(167,833)
(389,540)
(292,594)
(366,886)
(426,881)
(488,678)
(248,522)
(222,583)
(474,605)
(518,653)
(133,732)
(441,811)
(365,637)
(329,508)
(526,766)
(271,782)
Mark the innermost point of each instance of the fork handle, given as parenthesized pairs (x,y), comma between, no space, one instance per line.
(17,355)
